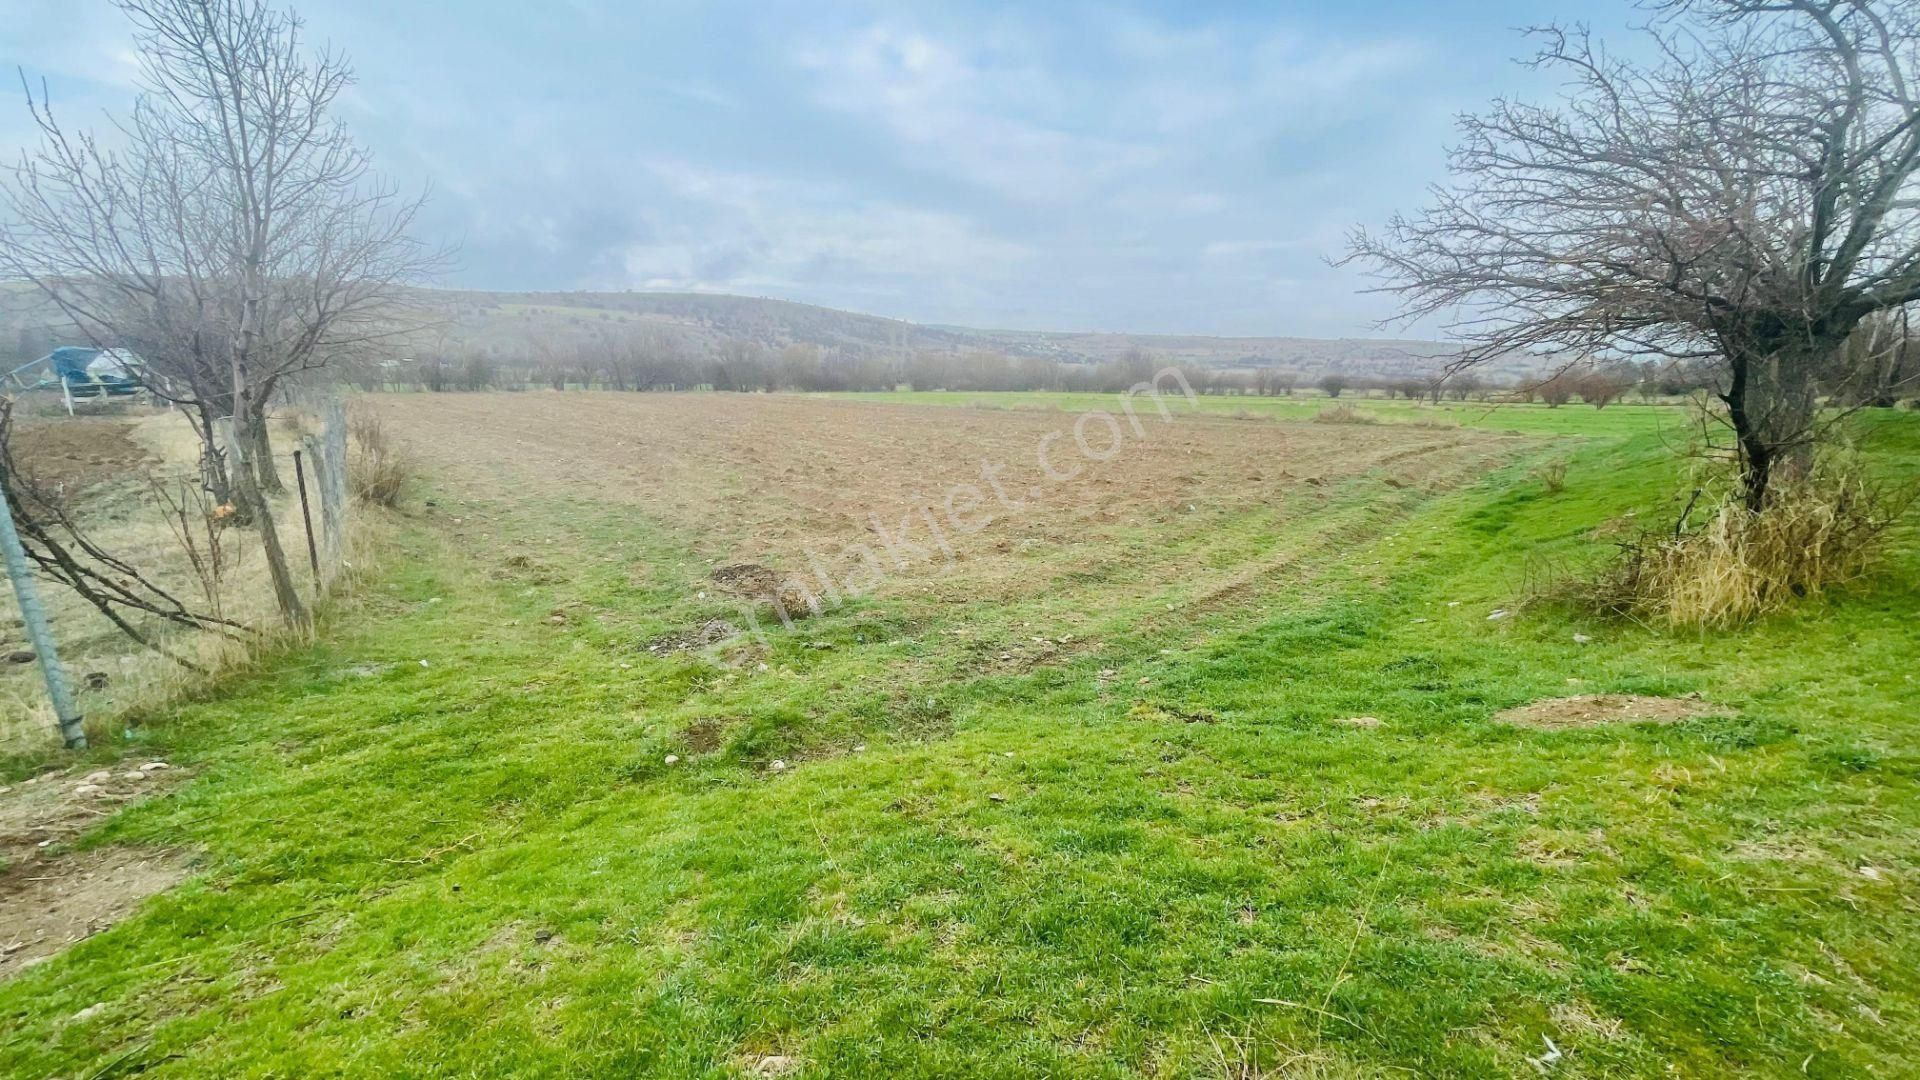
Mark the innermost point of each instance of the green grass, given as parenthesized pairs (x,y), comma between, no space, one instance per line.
(1535,419)
(483,866)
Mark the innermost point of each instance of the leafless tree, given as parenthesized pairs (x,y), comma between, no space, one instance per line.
(1746,199)
(229,230)
(60,548)
(1880,364)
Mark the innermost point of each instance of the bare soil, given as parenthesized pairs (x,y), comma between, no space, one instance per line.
(1592,710)
(69,453)
(51,897)
(772,486)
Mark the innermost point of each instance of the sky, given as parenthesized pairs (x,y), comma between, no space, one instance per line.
(1152,167)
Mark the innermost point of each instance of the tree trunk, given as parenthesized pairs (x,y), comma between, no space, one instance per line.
(260,453)
(213,467)
(1772,407)
(247,492)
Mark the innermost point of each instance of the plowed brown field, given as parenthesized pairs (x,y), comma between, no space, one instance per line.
(1207,510)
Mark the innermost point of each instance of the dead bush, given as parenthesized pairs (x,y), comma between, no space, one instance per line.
(1816,534)
(1553,476)
(1344,414)
(380,468)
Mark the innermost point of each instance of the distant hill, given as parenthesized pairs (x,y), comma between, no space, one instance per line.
(700,323)
(706,320)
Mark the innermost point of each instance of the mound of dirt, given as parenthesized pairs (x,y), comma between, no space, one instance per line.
(747,579)
(1592,710)
(762,584)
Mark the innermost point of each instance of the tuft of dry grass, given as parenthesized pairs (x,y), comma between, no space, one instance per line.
(1553,476)
(380,468)
(1816,535)
(1344,414)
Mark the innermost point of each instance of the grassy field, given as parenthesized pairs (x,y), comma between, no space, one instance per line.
(1530,418)
(1186,768)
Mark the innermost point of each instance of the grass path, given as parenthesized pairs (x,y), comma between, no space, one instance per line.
(1166,858)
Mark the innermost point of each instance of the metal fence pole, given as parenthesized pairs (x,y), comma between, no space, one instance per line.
(35,617)
(306,516)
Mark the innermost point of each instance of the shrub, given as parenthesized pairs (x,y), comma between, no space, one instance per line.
(1553,476)
(1815,535)
(379,468)
(1344,414)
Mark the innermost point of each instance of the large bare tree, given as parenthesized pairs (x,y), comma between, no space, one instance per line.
(229,230)
(1745,198)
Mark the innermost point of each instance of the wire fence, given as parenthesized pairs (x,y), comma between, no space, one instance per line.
(165,522)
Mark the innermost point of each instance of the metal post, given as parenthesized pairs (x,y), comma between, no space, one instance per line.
(35,617)
(306,515)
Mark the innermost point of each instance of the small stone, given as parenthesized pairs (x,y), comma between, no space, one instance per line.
(1581,639)
(778,765)
(860,748)
(136,775)
(997,797)
(100,777)
(89,1012)
(22,656)
(423,663)
(88,789)
(774,1065)
(543,936)
(673,759)
(95,680)
(154,766)
(1498,614)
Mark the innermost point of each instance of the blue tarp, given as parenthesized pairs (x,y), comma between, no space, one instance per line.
(70,361)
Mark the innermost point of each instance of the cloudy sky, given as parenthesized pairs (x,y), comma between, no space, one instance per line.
(1176,167)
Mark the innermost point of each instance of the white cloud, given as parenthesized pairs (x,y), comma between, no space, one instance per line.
(962,110)
(1130,114)
(745,230)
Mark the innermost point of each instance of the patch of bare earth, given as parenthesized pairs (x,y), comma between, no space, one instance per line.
(65,454)
(51,897)
(1592,710)
(779,489)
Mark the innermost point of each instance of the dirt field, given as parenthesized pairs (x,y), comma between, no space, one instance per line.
(959,505)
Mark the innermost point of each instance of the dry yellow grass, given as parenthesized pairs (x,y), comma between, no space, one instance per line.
(1344,414)
(111,673)
(1814,536)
